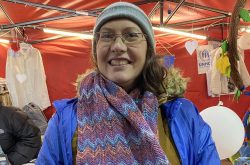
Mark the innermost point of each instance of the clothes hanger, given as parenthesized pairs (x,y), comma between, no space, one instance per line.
(14,44)
(24,44)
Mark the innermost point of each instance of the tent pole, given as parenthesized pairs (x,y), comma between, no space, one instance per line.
(51,7)
(73,13)
(10,20)
(152,13)
(197,20)
(90,12)
(202,7)
(161,12)
(138,3)
(36,21)
(173,12)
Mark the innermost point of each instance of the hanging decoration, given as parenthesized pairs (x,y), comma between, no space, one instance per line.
(232,47)
(191,46)
(223,64)
(224,46)
(169,9)
(168,61)
(244,14)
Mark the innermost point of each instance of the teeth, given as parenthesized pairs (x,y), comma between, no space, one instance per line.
(119,62)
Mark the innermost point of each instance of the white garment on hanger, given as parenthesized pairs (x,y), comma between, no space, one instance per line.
(218,83)
(243,69)
(26,78)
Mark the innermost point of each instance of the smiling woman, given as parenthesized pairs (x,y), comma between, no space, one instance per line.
(115,118)
(121,59)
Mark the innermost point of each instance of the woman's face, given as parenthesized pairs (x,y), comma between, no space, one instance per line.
(121,60)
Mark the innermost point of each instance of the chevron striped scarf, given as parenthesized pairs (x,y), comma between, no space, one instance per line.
(115,127)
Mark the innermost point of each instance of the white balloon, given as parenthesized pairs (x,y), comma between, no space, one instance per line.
(227,129)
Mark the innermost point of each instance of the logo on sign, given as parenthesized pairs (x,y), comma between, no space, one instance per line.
(204,55)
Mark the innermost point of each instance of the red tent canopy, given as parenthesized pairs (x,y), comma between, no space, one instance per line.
(65,58)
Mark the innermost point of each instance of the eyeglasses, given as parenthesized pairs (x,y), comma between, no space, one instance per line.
(127,38)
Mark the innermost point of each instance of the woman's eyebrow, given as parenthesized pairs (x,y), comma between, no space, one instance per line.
(132,28)
(106,29)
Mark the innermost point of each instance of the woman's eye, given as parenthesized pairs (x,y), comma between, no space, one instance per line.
(107,35)
(131,35)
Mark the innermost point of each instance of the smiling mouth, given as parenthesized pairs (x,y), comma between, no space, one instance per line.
(119,62)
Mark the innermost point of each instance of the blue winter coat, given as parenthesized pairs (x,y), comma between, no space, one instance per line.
(192,136)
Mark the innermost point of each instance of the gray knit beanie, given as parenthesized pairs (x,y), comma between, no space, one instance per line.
(129,11)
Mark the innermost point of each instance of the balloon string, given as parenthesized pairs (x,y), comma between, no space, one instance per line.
(220,103)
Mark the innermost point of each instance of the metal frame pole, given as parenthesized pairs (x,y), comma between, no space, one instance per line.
(156,7)
(73,13)
(161,12)
(173,12)
(90,12)
(9,19)
(52,7)
(202,7)
(37,21)
(197,20)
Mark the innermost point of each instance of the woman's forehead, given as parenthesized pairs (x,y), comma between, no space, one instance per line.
(120,24)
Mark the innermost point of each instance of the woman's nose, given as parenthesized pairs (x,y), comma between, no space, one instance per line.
(118,45)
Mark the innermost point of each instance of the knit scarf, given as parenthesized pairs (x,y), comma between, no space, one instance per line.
(115,127)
